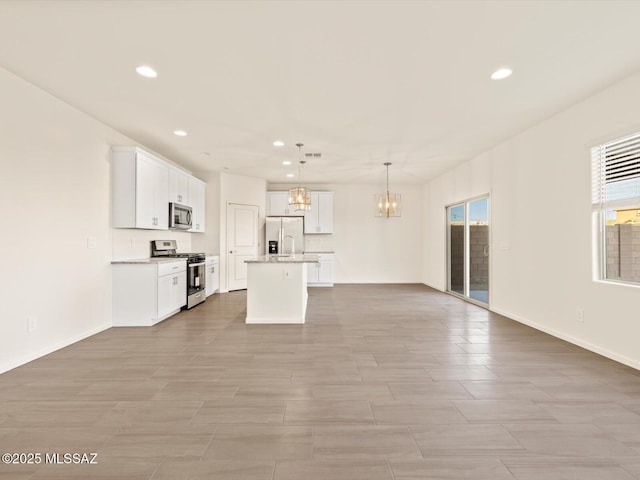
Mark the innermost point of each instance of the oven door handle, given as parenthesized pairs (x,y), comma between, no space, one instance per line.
(196,264)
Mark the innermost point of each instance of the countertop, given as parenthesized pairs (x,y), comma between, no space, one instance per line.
(298,258)
(148,261)
(314,252)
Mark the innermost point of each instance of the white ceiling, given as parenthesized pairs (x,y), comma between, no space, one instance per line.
(362,82)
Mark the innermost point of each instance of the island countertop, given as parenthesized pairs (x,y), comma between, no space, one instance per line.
(297,258)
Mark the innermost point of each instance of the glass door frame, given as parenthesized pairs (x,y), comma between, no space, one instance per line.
(467,250)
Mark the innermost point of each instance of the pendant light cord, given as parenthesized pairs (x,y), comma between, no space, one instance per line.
(300,145)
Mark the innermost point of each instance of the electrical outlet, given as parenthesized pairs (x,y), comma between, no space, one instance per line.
(580,315)
(285,274)
(32,324)
(91,242)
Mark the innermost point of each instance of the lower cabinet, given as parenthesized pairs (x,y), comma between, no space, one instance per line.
(212,277)
(321,274)
(146,293)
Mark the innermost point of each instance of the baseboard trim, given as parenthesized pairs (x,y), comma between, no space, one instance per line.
(434,287)
(571,339)
(10,365)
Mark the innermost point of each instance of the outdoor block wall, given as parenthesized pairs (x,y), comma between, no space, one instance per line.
(479,262)
(623,252)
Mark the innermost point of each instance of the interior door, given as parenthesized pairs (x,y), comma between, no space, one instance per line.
(242,242)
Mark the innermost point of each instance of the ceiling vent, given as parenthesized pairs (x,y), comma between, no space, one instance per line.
(313,155)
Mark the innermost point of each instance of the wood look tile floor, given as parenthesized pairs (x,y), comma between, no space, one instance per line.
(383,382)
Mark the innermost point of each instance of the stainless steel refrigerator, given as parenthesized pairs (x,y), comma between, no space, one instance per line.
(284,235)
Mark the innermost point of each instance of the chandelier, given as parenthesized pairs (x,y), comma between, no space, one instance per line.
(299,197)
(387,204)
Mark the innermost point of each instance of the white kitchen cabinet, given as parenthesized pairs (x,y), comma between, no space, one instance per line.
(178,186)
(321,274)
(278,205)
(140,190)
(144,293)
(319,219)
(212,277)
(196,202)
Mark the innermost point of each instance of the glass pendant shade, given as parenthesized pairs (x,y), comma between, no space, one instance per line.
(300,199)
(386,204)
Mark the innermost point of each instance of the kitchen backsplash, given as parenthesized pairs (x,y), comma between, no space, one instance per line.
(318,243)
(130,244)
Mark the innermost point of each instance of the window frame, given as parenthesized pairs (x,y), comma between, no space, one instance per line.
(600,206)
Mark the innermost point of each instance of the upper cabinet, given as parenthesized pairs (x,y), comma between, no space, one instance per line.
(196,202)
(320,218)
(278,205)
(140,193)
(178,186)
(142,187)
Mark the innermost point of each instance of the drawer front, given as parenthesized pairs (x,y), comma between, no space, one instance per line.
(172,267)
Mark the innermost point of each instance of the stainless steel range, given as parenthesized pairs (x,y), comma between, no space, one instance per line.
(195,269)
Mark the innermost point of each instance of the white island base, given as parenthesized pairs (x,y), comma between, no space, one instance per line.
(277,289)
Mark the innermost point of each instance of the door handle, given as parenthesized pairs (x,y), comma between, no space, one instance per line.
(485,251)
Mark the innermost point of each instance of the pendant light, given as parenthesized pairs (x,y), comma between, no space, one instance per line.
(387,204)
(299,197)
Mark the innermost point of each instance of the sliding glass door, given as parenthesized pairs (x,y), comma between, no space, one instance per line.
(468,249)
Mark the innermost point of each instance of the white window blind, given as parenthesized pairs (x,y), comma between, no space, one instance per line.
(616,172)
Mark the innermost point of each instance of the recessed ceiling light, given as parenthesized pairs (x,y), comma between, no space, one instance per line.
(286,162)
(290,175)
(501,73)
(180,133)
(278,143)
(146,71)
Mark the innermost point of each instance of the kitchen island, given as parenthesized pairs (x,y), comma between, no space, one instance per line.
(277,288)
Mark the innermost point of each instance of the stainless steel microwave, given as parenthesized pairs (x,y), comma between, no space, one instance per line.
(179,217)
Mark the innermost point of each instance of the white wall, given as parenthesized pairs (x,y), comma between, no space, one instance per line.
(541,254)
(370,249)
(55,191)
(242,190)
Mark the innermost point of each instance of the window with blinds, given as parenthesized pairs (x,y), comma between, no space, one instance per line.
(616,204)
